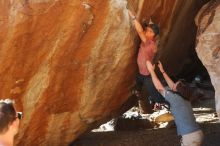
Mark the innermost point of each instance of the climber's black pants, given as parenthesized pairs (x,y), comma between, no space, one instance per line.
(146,81)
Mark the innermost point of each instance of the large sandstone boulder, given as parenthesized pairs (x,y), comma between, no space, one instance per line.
(67,64)
(70,64)
(208,44)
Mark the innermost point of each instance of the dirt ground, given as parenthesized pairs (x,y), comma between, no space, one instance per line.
(205,115)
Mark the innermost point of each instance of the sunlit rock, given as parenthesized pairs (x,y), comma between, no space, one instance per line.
(67,64)
(208,44)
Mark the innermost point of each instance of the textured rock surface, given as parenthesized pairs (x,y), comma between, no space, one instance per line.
(208,44)
(69,64)
(66,63)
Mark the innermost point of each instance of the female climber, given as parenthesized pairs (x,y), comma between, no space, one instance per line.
(180,107)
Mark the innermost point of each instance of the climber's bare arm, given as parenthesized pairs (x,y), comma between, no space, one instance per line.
(170,82)
(138,26)
(158,85)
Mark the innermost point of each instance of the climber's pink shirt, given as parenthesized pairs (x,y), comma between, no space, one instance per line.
(146,52)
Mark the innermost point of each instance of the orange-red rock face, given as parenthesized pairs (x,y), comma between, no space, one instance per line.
(69,64)
(208,46)
(66,63)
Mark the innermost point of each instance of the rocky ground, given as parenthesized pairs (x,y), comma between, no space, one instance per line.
(133,129)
